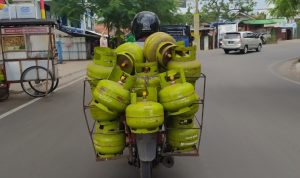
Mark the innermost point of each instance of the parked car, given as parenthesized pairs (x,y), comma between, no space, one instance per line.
(241,41)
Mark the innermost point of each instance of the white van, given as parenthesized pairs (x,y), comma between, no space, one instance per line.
(241,41)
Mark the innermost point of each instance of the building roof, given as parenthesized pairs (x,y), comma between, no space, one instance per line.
(263,21)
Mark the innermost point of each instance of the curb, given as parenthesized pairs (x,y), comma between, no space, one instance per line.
(288,69)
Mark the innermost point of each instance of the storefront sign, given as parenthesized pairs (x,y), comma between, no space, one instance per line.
(25,30)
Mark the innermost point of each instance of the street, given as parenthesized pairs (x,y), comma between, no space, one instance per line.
(251,127)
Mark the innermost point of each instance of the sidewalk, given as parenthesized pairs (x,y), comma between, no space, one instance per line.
(67,72)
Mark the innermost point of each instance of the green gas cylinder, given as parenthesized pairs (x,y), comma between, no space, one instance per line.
(183,140)
(183,118)
(147,75)
(176,93)
(101,113)
(97,72)
(110,141)
(112,95)
(185,112)
(127,55)
(109,126)
(114,92)
(152,44)
(145,116)
(102,65)
(181,122)
(104,56)
(164,53)
(185,58)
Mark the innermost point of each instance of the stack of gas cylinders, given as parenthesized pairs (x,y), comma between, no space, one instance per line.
(146,90)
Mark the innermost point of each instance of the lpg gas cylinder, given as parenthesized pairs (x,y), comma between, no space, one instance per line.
(181,122)
(184,118)
(186,111)
(147,75)
(108,142)
(145,116)
(183,139)
(164,53)
(104,56)
(114,92)
(152,44)
(127,55)
(112,95)
(176,93)
(102,65)
(97,72)
(185,58)
(99,112)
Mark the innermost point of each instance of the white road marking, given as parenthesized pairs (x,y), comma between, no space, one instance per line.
(271,68)
(36,99)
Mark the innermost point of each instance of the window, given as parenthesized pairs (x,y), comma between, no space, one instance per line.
(232,36)
(14,43)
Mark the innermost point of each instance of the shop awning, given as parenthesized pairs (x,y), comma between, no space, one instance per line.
(263,21)
(259,22)
(76,32)
(92,33)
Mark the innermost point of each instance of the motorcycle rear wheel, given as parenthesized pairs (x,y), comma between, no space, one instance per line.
(145,169)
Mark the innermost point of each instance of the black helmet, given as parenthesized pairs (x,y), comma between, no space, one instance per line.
(144,24)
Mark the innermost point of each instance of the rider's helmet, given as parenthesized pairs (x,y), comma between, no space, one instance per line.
(144,24)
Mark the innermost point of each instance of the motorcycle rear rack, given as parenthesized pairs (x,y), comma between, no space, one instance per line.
(90,123)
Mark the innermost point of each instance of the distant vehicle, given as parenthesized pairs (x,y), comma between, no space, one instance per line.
(241,41)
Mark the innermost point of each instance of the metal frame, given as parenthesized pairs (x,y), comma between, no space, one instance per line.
(90,123)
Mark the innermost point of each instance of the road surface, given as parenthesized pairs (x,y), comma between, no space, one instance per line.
(252,127)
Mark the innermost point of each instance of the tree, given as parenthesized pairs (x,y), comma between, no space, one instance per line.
(73,9)
(285,8)
(260,16)
(215,10)
(117,13)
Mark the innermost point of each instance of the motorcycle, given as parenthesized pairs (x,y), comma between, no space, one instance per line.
(178,133)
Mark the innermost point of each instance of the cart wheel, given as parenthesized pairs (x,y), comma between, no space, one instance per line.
(53,88)
(55,84)
(145,169)
(37,81)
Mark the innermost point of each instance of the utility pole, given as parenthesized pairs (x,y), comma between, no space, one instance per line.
(196,29)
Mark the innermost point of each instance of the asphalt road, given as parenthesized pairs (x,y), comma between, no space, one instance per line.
(252,127)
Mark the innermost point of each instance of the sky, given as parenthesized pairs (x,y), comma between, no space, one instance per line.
(261,4)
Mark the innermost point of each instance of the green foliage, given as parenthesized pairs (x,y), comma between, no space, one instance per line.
(69,8)
(285,8)
(215,10)
(118,13)
(260,16)
(184,19)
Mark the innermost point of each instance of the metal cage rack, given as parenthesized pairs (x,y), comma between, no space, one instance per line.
(165,149)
